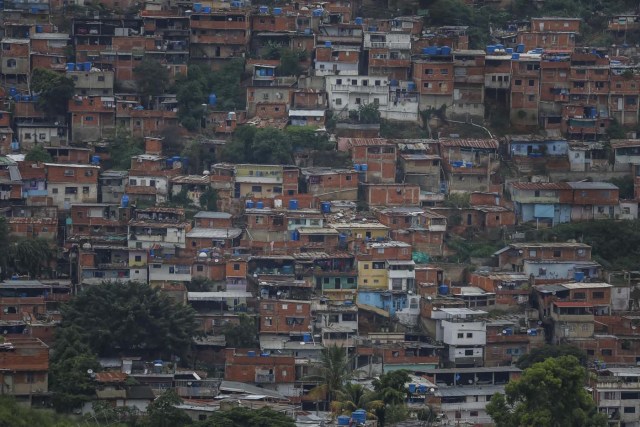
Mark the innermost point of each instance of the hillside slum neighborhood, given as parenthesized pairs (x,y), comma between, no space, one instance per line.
(355,256)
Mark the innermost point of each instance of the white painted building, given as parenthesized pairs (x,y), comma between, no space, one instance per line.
(464,333)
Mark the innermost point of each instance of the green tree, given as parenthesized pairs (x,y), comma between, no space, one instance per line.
(390,389)
(71,381)
(209,199)
(549,393)
(289,63)
(263,417)
(625,186)
(355,396)
(152,79)
(547,351)
(4,249)
(162,412)
(366,114)
(242,335)
(30,255)
(122,148)
(334,371)
(38,154)
(201,156)
(13,414)
(116,318)
(55,90)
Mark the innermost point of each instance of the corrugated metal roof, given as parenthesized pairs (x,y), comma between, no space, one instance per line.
(583,185)
(540,186)
(568,304)
(214,233)
(470,143)
(212,215)
(620,143)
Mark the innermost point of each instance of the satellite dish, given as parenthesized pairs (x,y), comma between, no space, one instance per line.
(202,255)
(216,260)
(206,173)
(89,371)
(301,342)
(177,165)
(86,246)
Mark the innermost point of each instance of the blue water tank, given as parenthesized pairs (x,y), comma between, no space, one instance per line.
(359,416)
(95,160)
(325,207)
(251,353)
(295,235)
(342,238)
(87,66)
(263,9)
(509,50)
(578,276)
(491,49)
(236,4)
(412,388)
(422,388)
(293,204)
(373,28)
(206,9)
(277,11)
(213,100)
(439,51)
(356,167)
(500,46)
(306,337)
(39,28)
(520,48)
(393,83)
(287,269)
(446,50)
(259,205)
(318,12)
(170,163)
(364,167)
(359,21)
(250,204)
(26,98)
(344,420)
(307,31)
(71,66)
(13,91)
(327,44)
(443,289)
(515,56)
(197,7)
(411,86)
(124,202)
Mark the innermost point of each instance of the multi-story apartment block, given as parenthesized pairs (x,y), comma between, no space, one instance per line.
(219,36)
(525,90)
(161,229)
(68,184)
(468,83)
(469,163)
(337,60)
(464,334)
(375,157)
(513,256)
(565,202)
(434,78)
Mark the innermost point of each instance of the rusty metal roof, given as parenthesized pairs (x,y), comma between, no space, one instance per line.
(111,377)
(540,186)
(470,143)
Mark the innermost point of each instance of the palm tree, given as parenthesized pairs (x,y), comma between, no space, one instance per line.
(334,370)
(355,396)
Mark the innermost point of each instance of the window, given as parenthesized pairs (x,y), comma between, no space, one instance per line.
(518,82)
(85,190)
(629,409)
(428,71)
(469,334)
(138,258)
(557,253)
(468,352)
(606,352)
(100,78)
(71,190)
(444,71)
(259,220)
(199,267)
(256,188)
(88,119)
(69,172)
(338,101)
(268,321)
(532,253)
(460,335)
(358,101)
(473,413)
(133,182)
(580,296)
(54,191)
(531,82)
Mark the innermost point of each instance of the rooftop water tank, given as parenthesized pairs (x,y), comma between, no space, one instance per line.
(443,289)
(213,100)
(277,11)
(250,204)
(293,204)
(124,202)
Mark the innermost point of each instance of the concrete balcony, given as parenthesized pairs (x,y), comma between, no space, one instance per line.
(265,378)
(360,89)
